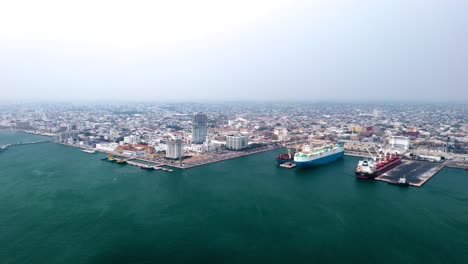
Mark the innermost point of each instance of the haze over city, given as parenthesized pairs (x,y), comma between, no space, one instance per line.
(246,131)
(241,50)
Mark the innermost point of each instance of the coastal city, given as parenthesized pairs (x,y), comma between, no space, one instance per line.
(256,131)
(185,135)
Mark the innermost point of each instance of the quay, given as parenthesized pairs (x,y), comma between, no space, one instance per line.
(226,155)
(148,166)
(457,164)
(187,164)
(131,161)
(416,173)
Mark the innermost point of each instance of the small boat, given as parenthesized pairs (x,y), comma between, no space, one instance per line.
(90,151)
(110,158)
(147,168)
(402,181)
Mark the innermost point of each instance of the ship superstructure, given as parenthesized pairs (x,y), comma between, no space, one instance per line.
(370,168)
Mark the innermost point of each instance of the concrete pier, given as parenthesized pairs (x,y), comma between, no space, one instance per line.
(147,166)
(416,172)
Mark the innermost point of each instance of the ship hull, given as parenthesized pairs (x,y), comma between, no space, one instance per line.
(370,176)
(319,161)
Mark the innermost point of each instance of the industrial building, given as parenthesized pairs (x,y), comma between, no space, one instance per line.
(399,142)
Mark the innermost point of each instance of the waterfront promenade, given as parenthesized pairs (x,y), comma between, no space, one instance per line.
(190,162)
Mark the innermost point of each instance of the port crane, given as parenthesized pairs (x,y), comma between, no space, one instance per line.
(372,156)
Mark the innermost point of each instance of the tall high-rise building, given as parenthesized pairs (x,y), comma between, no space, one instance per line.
(199,128)
(174,149)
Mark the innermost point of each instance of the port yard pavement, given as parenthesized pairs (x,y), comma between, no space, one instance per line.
(216,157)
(415,172)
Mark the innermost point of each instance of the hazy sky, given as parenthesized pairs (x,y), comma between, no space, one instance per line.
(352,50)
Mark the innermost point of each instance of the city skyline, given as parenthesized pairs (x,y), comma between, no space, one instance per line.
(318,51)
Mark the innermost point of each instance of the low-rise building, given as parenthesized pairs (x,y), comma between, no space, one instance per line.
(108,147)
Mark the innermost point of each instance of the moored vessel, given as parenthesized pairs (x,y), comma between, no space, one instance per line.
(310,157)
(110,158)
(372,167)
(121,161)
(90,151)
(285,157)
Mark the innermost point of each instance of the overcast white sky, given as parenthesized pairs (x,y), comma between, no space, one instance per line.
(347,50)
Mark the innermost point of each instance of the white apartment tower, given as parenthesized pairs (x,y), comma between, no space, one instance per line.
(174,149)
(199,128)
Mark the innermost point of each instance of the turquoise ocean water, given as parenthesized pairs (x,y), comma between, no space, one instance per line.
(60,205)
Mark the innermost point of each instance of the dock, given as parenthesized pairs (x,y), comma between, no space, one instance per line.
(416,172)
(146,166)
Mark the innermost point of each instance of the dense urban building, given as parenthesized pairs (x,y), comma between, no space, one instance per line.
(199,128)
(436,128)
(174,149)
(236,142)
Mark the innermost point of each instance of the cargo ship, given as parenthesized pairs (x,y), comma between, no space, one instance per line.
(311,157)
(371,168)
(284,157)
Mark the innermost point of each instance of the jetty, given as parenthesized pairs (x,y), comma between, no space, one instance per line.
(3,147)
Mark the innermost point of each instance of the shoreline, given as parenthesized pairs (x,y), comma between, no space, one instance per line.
(221,157)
